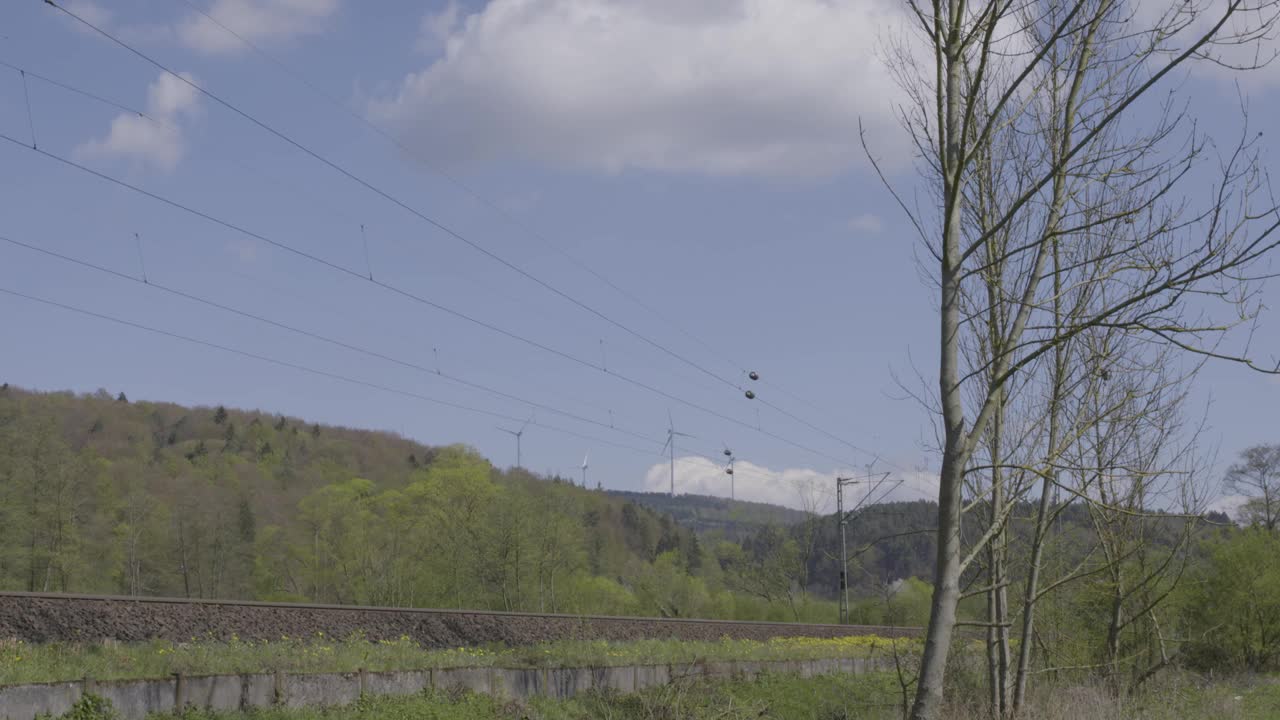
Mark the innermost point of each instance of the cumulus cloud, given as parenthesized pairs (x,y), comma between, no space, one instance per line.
(437,27)
(255,20)
(1229,504)
(158,142)
(1238,44)
(718,87)
(799,488)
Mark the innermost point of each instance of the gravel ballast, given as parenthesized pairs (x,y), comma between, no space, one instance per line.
(43,618)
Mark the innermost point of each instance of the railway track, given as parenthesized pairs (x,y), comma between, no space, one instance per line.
(52,617)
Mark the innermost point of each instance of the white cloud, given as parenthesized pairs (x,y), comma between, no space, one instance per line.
(1229,504)
(719,87)
(866,223)
(1239,43)
(799,488)
(437,27)
(106,20)
(255,20)
(157,143)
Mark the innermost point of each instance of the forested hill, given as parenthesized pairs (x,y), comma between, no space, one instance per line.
(896,541)
(715,516)
(101,494)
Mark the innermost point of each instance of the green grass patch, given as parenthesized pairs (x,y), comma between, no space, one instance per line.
(783,697)
(26,663)
(873,696)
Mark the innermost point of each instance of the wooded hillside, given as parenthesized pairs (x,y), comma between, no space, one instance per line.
(100,494)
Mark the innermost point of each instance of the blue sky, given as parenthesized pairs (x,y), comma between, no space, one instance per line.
(701,156)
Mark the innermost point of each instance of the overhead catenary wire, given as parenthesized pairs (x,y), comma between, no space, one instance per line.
(315,371)
(69,88)
(145,280)
(323,338)
(489,204)
(26,94)
(478,247)
(507,216)
(461,381)
(259,172)
(162,123)
(432,221)
(818,429)
(364,240)
(332,375)
(417,298)
(458,183)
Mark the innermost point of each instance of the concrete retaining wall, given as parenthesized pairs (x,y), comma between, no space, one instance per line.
(135,699)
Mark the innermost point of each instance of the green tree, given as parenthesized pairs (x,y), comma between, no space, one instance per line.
(1234,608)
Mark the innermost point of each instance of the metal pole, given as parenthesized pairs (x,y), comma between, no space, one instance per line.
(673,465)
(844,554)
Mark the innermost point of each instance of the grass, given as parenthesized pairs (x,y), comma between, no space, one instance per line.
(1173,695)
(783,697)
(874,696)
(26,663)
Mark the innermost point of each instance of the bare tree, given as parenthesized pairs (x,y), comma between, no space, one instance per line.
(1091,182)
(1257,476)
(1137,470)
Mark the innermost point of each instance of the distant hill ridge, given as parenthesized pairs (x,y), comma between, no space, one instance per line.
(706,514)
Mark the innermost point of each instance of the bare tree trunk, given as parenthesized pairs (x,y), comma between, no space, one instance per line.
(1032,588)
(946,594)
(946,580)
(998,595)
(184,565)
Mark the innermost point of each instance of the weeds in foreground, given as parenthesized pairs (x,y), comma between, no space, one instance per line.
(89,707)
(27,663)
(786,697)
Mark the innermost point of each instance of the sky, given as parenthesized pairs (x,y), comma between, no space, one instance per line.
(607,213)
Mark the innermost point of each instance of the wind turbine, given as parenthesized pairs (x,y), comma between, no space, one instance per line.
(671,443)
(584,469)
(517,434)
